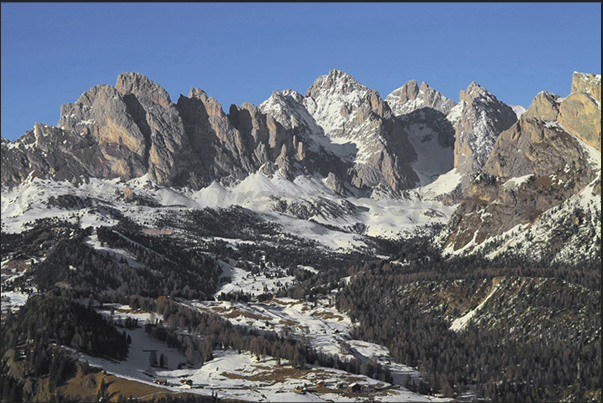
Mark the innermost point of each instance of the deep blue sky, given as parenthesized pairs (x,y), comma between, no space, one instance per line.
(242,52)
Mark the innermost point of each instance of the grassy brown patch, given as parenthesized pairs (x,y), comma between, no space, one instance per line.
(271,374)
(17,264)
(236,313)
(287,322)
(86,387)
(329,315)
(218,309)
(291,303)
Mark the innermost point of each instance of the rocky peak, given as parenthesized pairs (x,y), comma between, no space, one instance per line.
(211,104)
(288,109)
(478,120)
(337,98)
(311,147)
(350,113)
(103,113)
(408,92)
(410,98)
(336,81)
(544,106)
(436,100)
(588,84)
(422,113)
(140,85)
(580,112)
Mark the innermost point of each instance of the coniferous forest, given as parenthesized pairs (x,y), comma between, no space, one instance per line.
(537,339)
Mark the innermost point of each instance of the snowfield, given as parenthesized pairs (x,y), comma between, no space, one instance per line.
(98,201)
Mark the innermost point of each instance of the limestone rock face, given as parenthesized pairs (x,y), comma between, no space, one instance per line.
(544,106)
(103,114)
(580,112)
(382,153)
(552,165)
(478,120)
(212,141)
(47,151)
(230,147)
(158,119)
(588,84)
(313,151)
(535,165)
(335,183)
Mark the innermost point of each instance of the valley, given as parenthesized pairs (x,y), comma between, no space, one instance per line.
(331,246)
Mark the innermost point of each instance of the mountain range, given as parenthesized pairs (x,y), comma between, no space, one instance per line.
(505,170)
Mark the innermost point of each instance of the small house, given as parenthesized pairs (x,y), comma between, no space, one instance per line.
(354,387)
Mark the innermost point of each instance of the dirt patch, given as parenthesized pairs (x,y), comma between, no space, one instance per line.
(204,309)
(275,300)
(219,309)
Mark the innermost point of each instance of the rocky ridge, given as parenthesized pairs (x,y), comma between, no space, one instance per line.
(536,167)
(134,128)
(411,97)
(339,129)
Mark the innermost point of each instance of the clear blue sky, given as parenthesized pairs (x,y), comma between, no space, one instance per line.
(242,52)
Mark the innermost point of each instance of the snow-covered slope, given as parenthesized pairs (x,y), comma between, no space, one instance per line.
(239,375)
(301,206)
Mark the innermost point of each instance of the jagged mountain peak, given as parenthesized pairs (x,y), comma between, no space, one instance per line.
(410,97)
(287,107)
(478,120)
(137,83)
(196,92)
(337,97)
(545,105)
(474,92)
(408,91)
(211,104)
(287,93)
(336,82)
